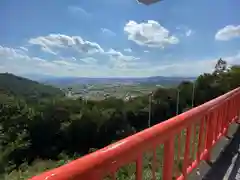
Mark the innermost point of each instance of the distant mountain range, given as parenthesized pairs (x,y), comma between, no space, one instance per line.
(67,81)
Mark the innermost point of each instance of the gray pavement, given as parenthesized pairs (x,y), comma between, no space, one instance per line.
(226,166)
(224,159)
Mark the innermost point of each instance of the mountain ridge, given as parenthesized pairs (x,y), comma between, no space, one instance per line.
(23,87)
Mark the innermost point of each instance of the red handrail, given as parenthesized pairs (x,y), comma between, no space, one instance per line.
(204,125)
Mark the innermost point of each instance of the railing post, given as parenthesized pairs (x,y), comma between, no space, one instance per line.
(238,118)
(187,151)
(200,140)
(238,108)
(225,117)
(209,135)
(139,172)
(168,159)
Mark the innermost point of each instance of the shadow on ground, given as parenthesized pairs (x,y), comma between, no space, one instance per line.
(227,166)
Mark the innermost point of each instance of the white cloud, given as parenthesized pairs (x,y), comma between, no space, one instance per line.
(64,63)
(118,55)
(146,51)
(54,42)
(119,60)
(78,10)
(233,60)
(37,59)
(113,63)
(188,32)
(108,32)
(48,50)
(228,32)
(114,53)
(185,31)
(150,34)
(128,50)
(89,60)
(12,60)
(73,59)
(194,67)
(186,67)
(23,48)
(11,52)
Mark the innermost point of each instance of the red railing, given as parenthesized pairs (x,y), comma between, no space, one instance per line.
(180,143)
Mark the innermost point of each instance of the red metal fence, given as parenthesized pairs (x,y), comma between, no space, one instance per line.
(170,149)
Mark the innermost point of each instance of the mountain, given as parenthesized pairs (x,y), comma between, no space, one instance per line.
(22,87)
(66,81)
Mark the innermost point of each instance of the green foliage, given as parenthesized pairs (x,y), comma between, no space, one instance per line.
(28,89)
(59,129)
(221,66)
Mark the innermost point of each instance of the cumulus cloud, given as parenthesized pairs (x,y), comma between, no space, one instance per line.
(227,33)
(58,43)
(119,60)
(6,52)
(150,33)
(16,61)
(106,63)
(118,55)
(108,32)
(53,42)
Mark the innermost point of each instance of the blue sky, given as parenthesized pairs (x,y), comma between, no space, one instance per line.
(99,38)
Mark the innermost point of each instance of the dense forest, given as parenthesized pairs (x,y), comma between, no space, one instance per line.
(38,122)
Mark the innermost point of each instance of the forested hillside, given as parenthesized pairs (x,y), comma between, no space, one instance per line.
(28,89)
(63,129)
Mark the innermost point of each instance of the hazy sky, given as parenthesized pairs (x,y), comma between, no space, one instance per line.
(117,37)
